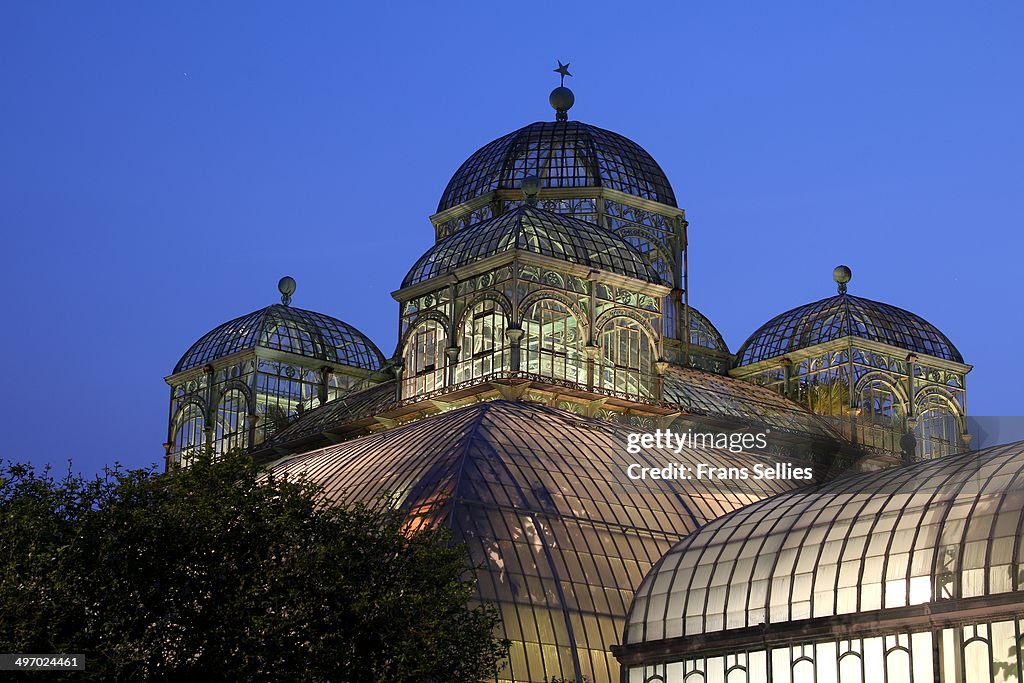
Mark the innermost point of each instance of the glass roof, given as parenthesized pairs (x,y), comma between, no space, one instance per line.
(844,315)
(286,328)
(704,393)
(700,395)
(348,408)
(541,499)
(938,530)
(562,154)
(704,333)
(535,230)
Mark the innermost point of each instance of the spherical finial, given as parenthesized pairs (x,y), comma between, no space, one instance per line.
(562,99)
(286,286)
(842,275)
(531,188)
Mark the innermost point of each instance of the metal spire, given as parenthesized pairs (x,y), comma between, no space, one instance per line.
(561,98)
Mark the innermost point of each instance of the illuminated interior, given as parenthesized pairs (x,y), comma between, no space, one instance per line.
(877,372)
(910,575)
(250,377)
(540,498)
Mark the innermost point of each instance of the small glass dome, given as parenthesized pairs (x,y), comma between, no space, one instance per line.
(845,315)
(285,328)
(563,154)
(531,229)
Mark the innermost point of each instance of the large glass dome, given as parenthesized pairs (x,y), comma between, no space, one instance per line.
(845,315)
(285,328)
(559,534)
(563,154)
(532,229)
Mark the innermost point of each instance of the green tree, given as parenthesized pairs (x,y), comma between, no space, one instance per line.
(222,573)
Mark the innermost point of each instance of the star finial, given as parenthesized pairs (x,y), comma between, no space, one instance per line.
(562,70)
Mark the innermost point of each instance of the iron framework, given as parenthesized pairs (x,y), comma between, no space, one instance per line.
(540,497)
(538,231)
(916,571)
(563,154)
(845,315)
(285,328)
(250,377)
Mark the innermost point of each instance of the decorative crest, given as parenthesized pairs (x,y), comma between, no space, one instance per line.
(561,98)
(563,71)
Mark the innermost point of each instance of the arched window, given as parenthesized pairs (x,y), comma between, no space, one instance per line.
(977,660)
(897,663)
(627,354)
(232,428)
(737,674)
(188,434)
(283,390)
(656,256)
(552,343)
(424,359)
(825,390)
(702,333)
(850,667)
(484,349)
(879,404)
(938,429)
(881,416)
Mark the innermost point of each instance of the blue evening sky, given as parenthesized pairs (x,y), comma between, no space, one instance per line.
(163,164)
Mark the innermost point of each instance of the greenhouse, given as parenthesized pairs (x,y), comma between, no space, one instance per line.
(547,323)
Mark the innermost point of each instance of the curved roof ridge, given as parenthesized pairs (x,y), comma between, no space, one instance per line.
(926,509)
(565,237)
(564,154)
(841,315)
(571,471)
(285,328)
